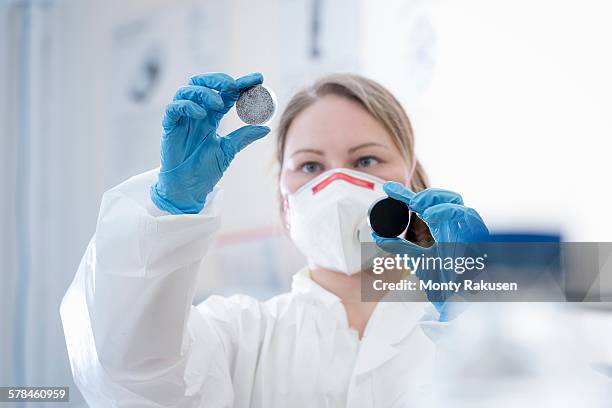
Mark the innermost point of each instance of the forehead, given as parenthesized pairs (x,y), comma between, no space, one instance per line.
(334,121)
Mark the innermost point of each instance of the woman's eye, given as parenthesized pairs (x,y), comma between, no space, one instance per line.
(310,167)
(367,162)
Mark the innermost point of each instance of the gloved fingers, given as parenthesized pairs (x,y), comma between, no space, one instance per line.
(455,223)
(474,214)
(461,215)
(249,80)
(431,197)
(215,80)
(398,191)
(475,223)
(242,137)
(443,212)
(205,97)
(397,245)
(182,108)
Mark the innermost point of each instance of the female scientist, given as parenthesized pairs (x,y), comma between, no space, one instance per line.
(134,337)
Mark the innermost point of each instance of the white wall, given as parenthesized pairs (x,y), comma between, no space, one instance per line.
(510,103)
(9,36)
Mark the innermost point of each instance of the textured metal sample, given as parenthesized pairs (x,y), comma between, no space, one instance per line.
(256,105)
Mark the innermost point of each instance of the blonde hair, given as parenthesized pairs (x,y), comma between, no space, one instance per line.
(376,99)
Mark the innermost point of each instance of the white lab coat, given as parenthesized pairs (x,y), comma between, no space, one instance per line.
(135,339)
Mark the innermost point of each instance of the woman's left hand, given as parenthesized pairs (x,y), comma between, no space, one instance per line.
(449,221)
(443,212)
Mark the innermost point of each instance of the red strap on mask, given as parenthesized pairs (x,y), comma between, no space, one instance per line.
(342,176)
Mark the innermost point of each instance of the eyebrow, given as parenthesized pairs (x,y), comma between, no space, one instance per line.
(361,146)
(319,152)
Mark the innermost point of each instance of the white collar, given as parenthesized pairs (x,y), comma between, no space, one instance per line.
(304,285)
(390,323)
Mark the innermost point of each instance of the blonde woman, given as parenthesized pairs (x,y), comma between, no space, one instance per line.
(133,335)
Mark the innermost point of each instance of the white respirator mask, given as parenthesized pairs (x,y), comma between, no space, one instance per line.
(328,218)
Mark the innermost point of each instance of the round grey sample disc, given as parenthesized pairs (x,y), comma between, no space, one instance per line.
(256,105)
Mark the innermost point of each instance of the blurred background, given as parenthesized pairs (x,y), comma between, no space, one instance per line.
(510,102)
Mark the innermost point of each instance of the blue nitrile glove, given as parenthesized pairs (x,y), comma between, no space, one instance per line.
(193,155)
(448,221)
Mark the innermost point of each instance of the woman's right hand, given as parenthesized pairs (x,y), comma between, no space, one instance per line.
(193,155)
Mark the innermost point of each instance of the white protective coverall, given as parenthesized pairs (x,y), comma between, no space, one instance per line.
(135,339)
